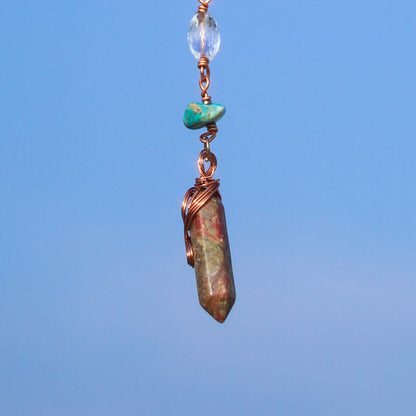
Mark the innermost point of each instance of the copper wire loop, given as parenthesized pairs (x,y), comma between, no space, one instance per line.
(210,135)
(209,157)
(205,188)
(203,65)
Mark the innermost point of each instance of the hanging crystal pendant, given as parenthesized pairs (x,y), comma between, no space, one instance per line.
(205,229)
(204,36)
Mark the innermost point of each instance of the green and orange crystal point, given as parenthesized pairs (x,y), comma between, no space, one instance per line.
(212,259)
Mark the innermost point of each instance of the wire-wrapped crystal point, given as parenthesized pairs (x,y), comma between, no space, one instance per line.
(204,36)
(213,269)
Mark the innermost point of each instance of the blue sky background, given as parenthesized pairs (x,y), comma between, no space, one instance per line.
(98,308)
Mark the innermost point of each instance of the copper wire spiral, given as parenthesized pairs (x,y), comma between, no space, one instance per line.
(203,8)
(197,196)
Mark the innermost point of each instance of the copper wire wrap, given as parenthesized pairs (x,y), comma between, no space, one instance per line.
(203,8)
(203,65)
(209,136)
(197,196)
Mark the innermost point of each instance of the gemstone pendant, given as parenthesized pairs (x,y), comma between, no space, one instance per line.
(205,229)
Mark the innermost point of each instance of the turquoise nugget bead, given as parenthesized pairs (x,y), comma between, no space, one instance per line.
(198,115)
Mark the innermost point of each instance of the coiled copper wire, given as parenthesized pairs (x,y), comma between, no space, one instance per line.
(203,8)
(197,196)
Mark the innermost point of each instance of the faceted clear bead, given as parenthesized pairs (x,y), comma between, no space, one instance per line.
(204,36)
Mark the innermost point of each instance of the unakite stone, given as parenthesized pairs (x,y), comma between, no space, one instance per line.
(213,269)
(198,115)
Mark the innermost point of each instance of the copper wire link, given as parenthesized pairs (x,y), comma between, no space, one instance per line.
(203,65)
(198,196)
(210,135)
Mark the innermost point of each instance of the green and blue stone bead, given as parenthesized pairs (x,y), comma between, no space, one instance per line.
(198,115)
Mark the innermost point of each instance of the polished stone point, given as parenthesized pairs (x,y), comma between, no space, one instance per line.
(213,269)
(198,115)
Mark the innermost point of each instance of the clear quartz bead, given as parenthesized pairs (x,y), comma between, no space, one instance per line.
(204,36)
